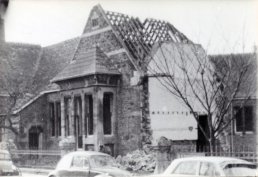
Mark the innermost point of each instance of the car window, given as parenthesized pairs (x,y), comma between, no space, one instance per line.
(77,161)
(86,163)
(208,169)
(102,161)
(65,162)
(186,168)
(240,170)
(5,156)
(80,162)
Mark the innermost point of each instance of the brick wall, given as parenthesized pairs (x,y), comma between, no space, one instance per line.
(95,14)
(246,142)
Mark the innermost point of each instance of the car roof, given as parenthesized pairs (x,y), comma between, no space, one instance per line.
(4,151)
(213,159)
(86,153)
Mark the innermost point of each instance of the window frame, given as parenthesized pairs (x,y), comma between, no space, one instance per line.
(110,97)
(243,115)
(58,118)
(52,118)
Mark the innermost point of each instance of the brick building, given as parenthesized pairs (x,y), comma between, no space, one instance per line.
(91,90)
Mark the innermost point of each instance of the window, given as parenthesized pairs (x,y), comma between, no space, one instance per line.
(95,22)
(208,169)
(52,118)
(58,116)
(186,168)
(78,115)
(67,103)
(107,113)
(244,119)
(88,123)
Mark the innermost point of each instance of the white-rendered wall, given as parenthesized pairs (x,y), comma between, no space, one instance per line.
(173,121)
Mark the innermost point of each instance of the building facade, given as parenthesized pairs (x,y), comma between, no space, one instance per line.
(94,91)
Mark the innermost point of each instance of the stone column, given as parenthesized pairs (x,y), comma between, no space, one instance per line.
(98,118)
(62,116)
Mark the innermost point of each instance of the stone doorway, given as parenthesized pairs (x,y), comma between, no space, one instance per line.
(35,137)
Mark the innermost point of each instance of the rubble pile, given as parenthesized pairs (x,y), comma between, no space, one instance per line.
(138,161)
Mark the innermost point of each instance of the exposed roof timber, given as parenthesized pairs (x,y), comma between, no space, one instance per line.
(139,37)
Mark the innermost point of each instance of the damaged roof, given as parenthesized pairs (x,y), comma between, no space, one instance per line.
(140,37)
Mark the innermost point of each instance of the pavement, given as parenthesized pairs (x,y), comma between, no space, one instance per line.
(35,171)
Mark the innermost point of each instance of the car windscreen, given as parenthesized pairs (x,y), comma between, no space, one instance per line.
(65,162)
(240,169)
(97,161)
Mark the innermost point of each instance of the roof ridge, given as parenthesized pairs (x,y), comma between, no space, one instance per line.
(23,44)
(62,42)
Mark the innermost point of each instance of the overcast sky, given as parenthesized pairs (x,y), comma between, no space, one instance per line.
(219,26)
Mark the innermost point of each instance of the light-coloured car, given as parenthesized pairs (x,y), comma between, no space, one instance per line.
(210,166)
(7,168)
(88,164)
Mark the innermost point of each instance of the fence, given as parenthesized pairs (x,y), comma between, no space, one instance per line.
(46,159)
(242,152)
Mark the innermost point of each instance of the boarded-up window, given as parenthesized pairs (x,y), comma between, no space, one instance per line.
(107,113)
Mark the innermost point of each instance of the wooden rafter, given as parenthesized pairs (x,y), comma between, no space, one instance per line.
(139,37)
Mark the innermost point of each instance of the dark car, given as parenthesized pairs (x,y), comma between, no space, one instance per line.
(88,164)
(6,165)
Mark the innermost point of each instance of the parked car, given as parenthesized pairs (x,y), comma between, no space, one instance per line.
(210,166)
(7,168)
(88,164)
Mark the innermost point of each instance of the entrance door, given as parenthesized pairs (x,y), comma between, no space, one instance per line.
(34,133)
(202,142)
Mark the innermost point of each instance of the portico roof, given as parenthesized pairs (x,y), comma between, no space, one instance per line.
(94,61)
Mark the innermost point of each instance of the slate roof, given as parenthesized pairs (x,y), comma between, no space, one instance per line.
(94,61)
(53,60)
(35,64)
(19,59)
(18,64)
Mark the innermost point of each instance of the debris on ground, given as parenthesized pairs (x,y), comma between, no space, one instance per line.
(138,161)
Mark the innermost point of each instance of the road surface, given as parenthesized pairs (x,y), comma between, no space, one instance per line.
(33,175)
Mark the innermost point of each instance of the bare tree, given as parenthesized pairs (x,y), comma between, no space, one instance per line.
(209,84)
(15,84)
